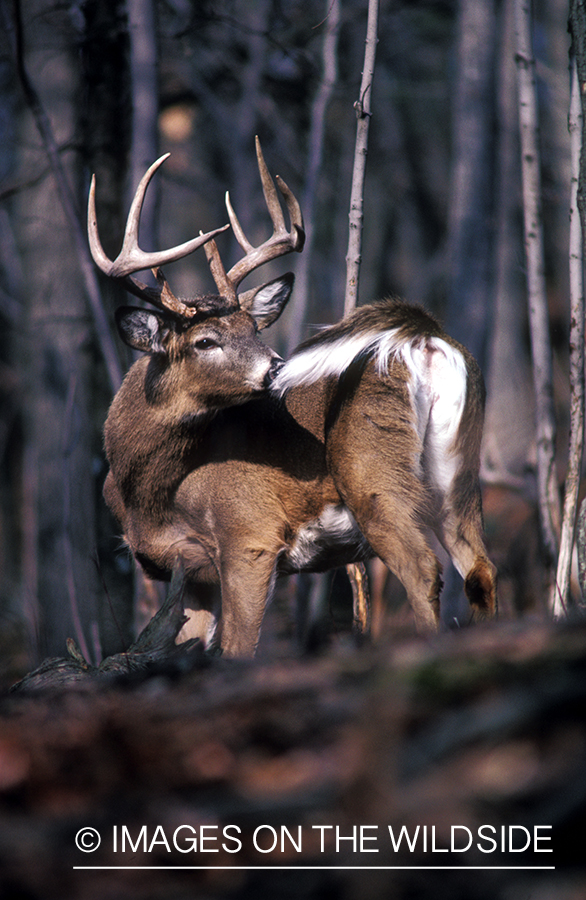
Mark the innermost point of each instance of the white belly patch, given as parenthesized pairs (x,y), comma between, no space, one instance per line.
(333,538)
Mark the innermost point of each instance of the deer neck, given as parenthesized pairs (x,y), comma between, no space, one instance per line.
(151,436)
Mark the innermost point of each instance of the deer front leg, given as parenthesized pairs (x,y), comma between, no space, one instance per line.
(202,608)
(247,580)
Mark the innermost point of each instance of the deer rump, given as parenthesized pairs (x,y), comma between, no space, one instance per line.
(367,440)
(392,397)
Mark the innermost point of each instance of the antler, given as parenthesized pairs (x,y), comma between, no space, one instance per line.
(132,259)
(282,240)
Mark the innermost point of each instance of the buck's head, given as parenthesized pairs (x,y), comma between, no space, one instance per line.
(210,343)
(216,357)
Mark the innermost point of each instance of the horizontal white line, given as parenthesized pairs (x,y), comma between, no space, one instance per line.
(335,868)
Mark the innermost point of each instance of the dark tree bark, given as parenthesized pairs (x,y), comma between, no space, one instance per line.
(470,238)
(510,423)
(60,579)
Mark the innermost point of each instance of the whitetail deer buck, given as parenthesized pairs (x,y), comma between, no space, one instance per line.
(241,467)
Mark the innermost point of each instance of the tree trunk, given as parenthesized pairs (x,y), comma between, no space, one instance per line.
(58,427)
(470,245)
(549,504)
(578,255)
(145,110)
(510,423)
(315,153)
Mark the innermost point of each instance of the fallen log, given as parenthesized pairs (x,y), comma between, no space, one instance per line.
(153,651)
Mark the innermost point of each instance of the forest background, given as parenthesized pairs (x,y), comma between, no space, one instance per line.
(118,83)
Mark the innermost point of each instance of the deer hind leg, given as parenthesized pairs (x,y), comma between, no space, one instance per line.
(450,463)
(461,532)
(229,615)
(397,538)
(387,510)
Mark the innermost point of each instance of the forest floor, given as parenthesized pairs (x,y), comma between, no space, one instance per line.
(452,766)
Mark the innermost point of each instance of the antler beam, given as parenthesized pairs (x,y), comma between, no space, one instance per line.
(283,240)
(132,259)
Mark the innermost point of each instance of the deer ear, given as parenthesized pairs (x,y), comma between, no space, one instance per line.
(266,303)
(142,329)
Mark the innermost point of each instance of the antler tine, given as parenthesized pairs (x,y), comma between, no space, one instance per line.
(282,241)
(271,200)
(96,249)
(269,190)
(132,259)
(237,227)
(294,210)
(218,272)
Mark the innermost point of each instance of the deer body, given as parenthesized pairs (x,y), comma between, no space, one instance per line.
(242,468)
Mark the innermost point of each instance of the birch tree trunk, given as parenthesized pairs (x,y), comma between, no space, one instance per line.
(561,597)
(577,256)
(509,429)
(549,504)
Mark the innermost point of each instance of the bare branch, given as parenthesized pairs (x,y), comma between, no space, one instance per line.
(363,114)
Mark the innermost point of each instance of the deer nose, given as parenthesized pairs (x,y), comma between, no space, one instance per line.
(274,369)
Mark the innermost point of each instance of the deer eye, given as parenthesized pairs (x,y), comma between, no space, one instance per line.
(206,344)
